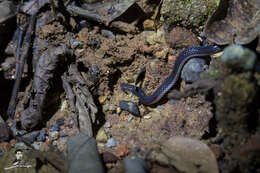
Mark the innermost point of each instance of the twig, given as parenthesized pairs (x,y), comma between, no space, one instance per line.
(27,43)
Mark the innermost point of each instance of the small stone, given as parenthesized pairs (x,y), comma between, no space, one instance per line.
(108,34)
(172,101)
(135,165)
(111,143)
(160,107)
(182,38)
(122,150)
(36,146)
(109,107)
(102,99)
(161,54)
(130,107)
(148,24)
(60,122)
(135,149)
(31,137)
(188,155)
(238,57)
(54,135)
(102,136)
(63,135)
(107,124)
(42,136)
(21,145)
(118,110)
(192,69)
(70,124)
(155,37)
(147,117)
(109,157)
(75,43)
(55,128)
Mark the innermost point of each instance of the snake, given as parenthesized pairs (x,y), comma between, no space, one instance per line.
(168,83)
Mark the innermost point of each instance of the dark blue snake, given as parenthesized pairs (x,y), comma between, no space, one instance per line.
(168,83)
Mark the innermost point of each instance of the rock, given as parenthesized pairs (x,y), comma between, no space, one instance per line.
(4,132)
(152,37)
(108,34)
(191,14)
(60,122)
(36,146)
(135,149)
(192,69)
(148,24)
(111,143)
(83,155)
(122,150)
(63,135)
(135,165)
(129,106)
(21,146)
(55,128)
(7,11)
(181,38)
(109,157)
(42,136)
(218,151)
(54,135)
(187,156)
(231,29)
(238,57)
(102,136)
(31,137)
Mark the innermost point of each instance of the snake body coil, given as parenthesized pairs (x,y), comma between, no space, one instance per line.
(168,83)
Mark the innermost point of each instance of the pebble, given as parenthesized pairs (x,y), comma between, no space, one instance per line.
(31,137)
(135,165)
(172,101)
(71,123)
(107,124)
(75,43)
(160,107)
(36,146)
(130,107)
(147,117)
(108,34)
(55,128)
(63,135)
(54,135)
(111,143)
(102,136)
(238,57)
(121,150)
(20,145)
(42,136)
(109,157)
(109,107)
(192,69)
(135,149)
(60,122)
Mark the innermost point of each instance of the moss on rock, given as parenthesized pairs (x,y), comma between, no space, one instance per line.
(190,14)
